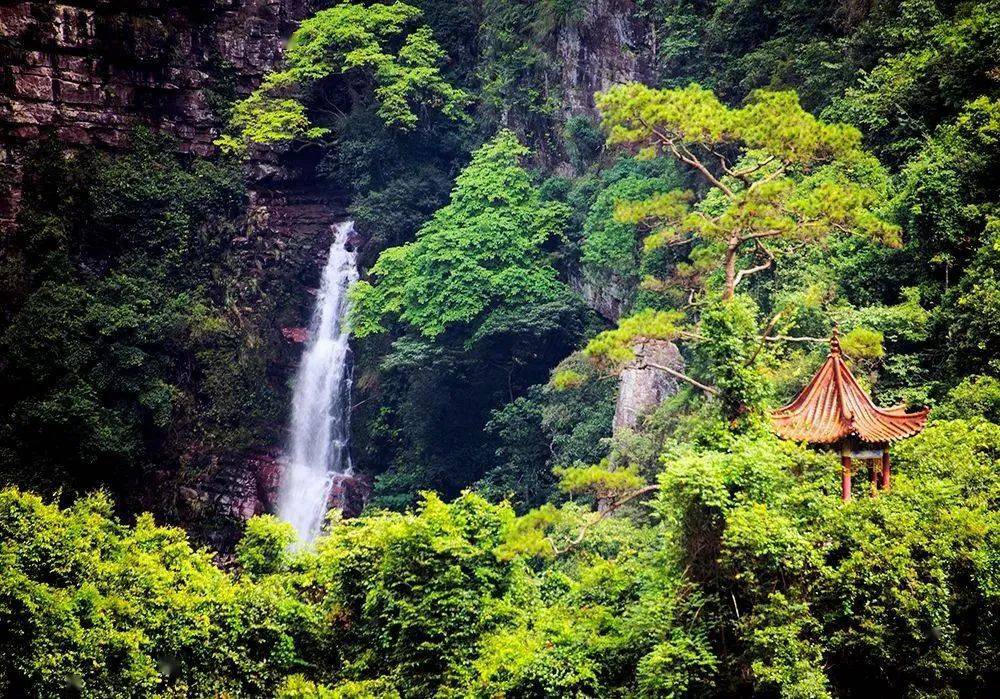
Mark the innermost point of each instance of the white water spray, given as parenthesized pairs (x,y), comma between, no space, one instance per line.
(318,450)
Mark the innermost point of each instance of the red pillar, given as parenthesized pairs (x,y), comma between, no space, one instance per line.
(886,470)
(845,478)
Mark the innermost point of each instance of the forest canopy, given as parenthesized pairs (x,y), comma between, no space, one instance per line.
(536,258)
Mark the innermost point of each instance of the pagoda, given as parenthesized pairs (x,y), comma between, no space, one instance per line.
(833,410)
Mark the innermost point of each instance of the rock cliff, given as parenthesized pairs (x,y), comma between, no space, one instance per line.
(87,72)
(643,387)
(609,43)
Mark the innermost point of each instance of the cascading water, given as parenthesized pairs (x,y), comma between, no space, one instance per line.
(318,451)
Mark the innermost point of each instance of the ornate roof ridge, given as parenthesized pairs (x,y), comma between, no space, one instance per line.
(833,406)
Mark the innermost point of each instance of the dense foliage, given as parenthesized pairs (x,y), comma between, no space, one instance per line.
(744,573)
(124,342)
(480,258)
(787,166)
(476,287)
(346,39)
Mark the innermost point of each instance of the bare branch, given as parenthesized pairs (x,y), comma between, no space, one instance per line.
(791,338)
(710,390)
(750,170)
(694,337)
(688,157)
(758,268)
(768,177)
(751,270)
(684,155)
(679,241)
(769,328)
(723,163)
(770,233)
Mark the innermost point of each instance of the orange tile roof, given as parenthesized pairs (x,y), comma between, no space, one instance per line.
(833,406)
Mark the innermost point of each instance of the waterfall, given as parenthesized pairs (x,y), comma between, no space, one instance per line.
(318,450)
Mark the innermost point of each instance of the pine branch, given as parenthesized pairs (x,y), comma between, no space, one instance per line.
(710,390)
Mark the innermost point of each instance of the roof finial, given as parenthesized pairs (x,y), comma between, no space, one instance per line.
(835,339)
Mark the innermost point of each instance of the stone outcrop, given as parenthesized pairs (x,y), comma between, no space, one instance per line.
(296,336)
(87,72)
(350,493)
(216,506)
(643,387)
(605,293)
(610,43)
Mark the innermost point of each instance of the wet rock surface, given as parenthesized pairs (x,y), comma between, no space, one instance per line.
(220,502)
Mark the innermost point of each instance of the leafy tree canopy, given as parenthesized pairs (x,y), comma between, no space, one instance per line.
(370,43)
(482,253)
(776,175)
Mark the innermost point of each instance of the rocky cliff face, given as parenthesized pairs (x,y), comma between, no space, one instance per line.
(609,44)
(603,293)
(87,72)
(642,387)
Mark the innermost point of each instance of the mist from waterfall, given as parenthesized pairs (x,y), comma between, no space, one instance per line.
(318,451)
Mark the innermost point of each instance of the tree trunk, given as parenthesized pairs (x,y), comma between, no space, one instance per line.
(730,273)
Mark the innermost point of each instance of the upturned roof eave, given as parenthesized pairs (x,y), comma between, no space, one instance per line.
(833,407)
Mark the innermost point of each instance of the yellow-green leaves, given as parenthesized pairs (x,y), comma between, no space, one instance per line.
(637,114)
(774,122)
(261,118)
(666,214)
(615,346)
(566,379)
(356,41)
(599,480)
(862,343)
(777,175)
(669,205)
(529,535)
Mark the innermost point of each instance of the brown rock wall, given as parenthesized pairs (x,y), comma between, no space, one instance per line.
(87,72)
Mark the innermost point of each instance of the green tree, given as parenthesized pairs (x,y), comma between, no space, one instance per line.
(936,57)
(481,254)
(93,608)
(371,47)
(478,314)
(776,175)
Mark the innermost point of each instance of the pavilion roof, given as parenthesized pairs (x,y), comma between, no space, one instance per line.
(833,406)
